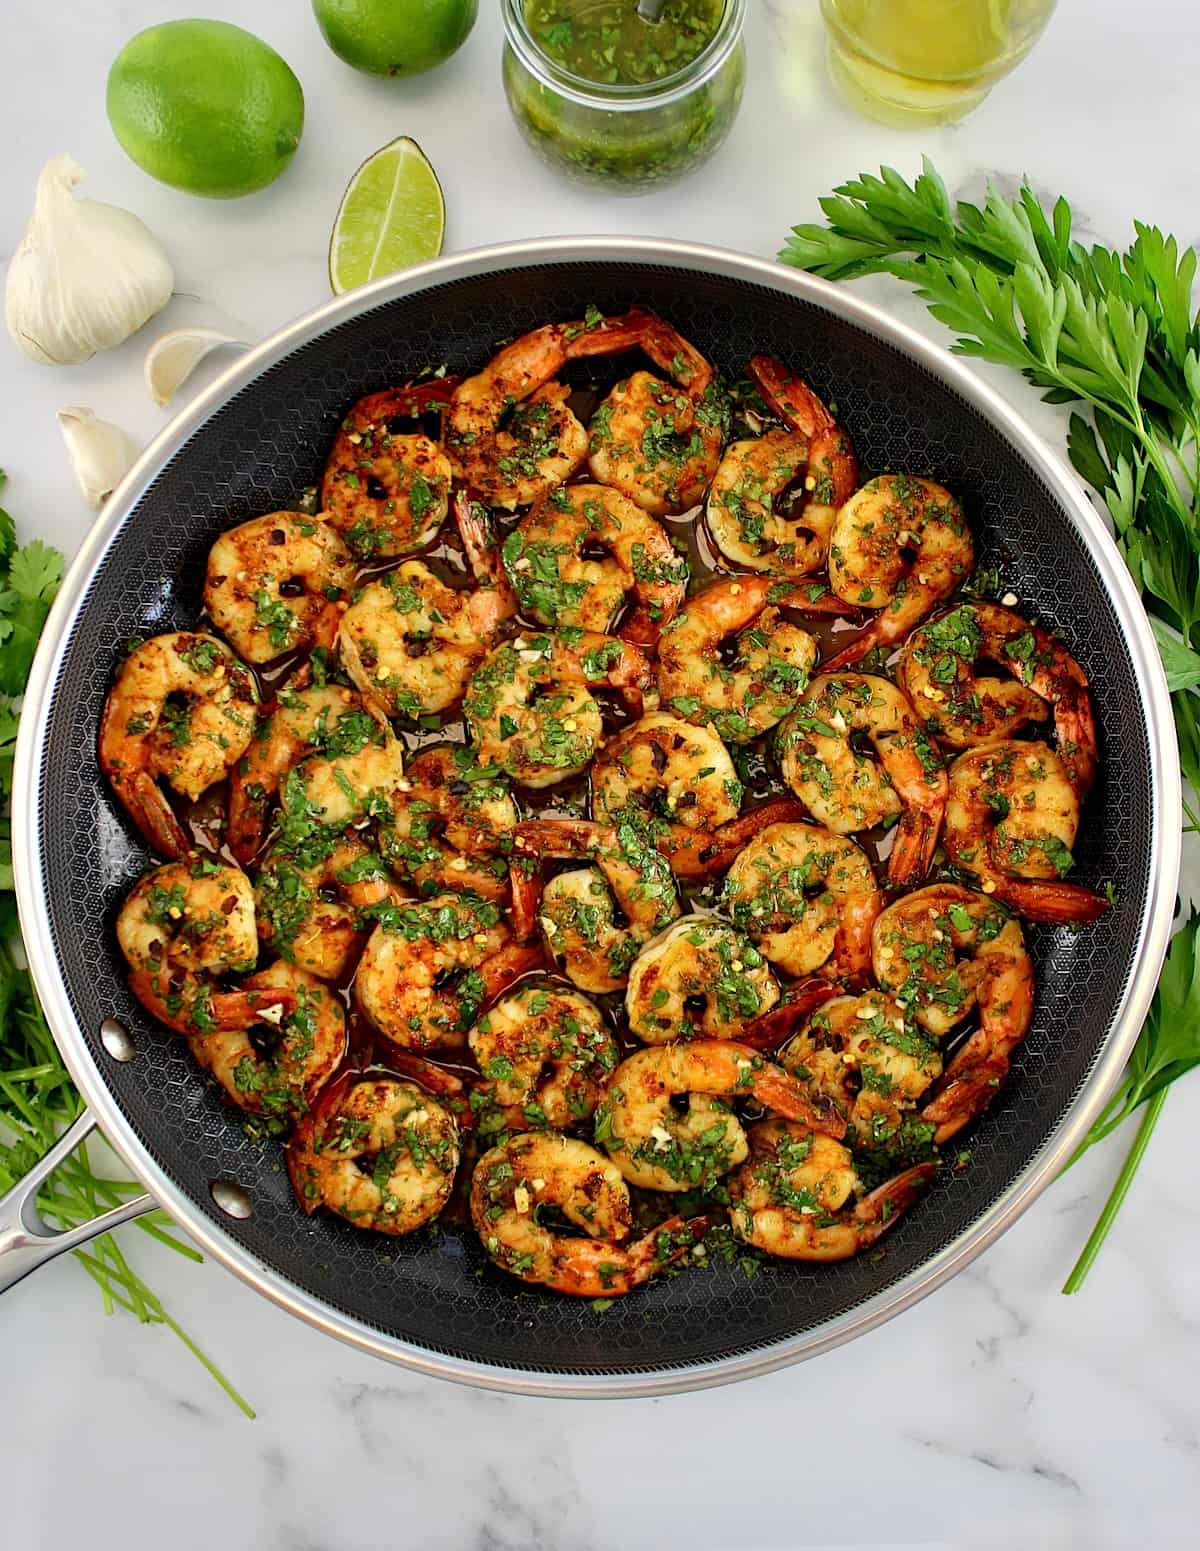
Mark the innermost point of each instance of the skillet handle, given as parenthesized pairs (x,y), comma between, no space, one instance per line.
(25,1240)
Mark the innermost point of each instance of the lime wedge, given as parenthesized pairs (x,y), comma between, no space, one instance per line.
(391,215)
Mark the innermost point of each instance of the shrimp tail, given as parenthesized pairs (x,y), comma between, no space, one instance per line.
(609,336)
(434,1079)
(327,623)
(820,602)
(148,807)
(482,552)
(1052,902)
(627,1266)
(644,624)
(876,1212)
(631,674)
(560,838)
(418,398)
(712,851)
(964,1093)
(1078,748)
(866,640)
(831,460)
(916,841)
(639,630)
(779,1091)
(219,1009)
(770,1029)
(247,819)
(850,962)
(509,964)
(639,328)
(526,901)
(302,1147)
(243,1009)
(789,396)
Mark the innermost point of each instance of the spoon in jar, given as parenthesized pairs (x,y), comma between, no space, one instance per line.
(650,10)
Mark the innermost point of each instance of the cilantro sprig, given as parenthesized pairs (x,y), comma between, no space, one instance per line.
(1116,332)
(38,1100)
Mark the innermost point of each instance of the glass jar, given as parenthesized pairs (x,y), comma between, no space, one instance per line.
(627,139)
(913,62)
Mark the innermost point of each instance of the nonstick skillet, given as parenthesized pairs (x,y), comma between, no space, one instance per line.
(251,444)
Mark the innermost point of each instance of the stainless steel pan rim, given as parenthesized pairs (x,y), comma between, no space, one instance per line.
(1040,1169)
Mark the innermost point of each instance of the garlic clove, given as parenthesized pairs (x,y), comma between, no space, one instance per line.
(101,453)
(85,275)
(173,357)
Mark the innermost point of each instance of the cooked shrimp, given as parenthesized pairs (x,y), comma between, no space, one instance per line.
(385,490)
(430,965)
(774,657)
(276,1065)
(451,825)
(350,784)
(899,545)
(678,775)
(510,433)
(378,1152)
(941,952)
(846,790)
(578,910)
(699,977)
(310,901)
(1011,820)
(410,643)
(529,1172)
(659,1147)
(793,1198)
(584,930)
(544,1054)
(868,1058)
(196,916)
(808,900)
(278,583)
(559,582)
(964,708)
(745,512)
(659,443)
(182,710)
(529,706)
(184,925)
(325,718)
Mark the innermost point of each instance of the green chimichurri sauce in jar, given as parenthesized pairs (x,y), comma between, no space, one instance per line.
(617,101)
(606,40)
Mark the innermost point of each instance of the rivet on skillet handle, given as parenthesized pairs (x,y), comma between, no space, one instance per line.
(25,1240)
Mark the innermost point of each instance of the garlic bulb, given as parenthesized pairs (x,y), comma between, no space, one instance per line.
(85,275)
(101,453)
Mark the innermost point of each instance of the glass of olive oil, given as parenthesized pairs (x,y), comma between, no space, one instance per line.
(913,62)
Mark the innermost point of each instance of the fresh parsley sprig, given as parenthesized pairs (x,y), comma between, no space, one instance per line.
(38,1100)
(1168,1047)
(1118,333)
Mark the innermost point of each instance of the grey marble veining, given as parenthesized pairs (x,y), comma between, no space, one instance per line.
(996,1413)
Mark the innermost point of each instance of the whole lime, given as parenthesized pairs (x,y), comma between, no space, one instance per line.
(206,107)
(395,37)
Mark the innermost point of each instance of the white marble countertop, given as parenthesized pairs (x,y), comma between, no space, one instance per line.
(995,1413)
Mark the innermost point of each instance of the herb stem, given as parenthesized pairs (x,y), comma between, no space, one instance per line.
(1118,1193)
(149,1310)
